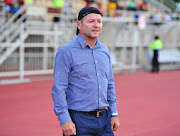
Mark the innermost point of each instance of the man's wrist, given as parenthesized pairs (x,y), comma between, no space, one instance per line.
(115,114)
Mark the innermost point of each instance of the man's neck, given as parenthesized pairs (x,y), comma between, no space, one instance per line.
(91,41)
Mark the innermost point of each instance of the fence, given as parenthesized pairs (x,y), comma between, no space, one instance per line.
(34,53)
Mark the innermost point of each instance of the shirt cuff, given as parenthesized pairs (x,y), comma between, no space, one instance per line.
(112,109)
(64,117)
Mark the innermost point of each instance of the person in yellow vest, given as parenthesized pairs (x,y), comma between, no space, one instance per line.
(156,45)
(111,8)
(57,4)
(29,2)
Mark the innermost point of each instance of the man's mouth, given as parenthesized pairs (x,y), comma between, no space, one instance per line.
(95,30)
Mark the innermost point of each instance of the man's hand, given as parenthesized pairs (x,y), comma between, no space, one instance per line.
(114,123)
(68,128)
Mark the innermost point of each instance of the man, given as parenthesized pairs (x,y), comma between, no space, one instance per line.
(83,90)
(156,45)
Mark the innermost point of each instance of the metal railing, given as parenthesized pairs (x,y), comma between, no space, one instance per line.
(10,34)
(39,40)
(5,28)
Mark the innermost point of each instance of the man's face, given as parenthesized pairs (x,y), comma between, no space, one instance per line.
(90,26)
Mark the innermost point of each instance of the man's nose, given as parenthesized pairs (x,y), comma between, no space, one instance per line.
(96,24)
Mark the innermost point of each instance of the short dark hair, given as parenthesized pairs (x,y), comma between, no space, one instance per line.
(156,37)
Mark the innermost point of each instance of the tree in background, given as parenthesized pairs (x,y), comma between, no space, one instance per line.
(174,7)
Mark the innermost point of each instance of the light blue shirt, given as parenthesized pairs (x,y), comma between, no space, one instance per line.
(83,79)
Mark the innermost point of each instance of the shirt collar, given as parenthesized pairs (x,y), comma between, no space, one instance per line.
(84,43)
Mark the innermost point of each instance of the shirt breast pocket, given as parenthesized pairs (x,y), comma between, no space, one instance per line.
(81,69)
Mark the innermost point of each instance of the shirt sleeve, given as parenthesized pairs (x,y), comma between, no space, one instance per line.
(60,85)
(111,96)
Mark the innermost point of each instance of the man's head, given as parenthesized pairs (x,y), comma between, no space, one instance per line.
(89,22)
(156,37)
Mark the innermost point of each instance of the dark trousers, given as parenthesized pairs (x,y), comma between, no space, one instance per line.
(88,125)
(155,62)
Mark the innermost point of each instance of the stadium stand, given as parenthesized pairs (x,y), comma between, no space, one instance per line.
(28,43)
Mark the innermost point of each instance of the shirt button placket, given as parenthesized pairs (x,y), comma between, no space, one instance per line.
(96,66)
(98,79)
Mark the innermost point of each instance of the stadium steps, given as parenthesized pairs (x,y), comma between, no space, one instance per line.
(10,37)
(11,49)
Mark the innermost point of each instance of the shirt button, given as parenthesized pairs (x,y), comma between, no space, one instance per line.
(99,99)
(98,74)
(96,61)
(99,86)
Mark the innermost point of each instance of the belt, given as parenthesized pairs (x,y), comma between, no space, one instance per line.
(96,113)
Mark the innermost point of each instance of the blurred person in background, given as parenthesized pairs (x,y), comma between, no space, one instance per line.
(29,2)
(7,2)
(156,45)
(14,8)
(100,7)
(89,3)
(21,2)
(83,91)
(167,16)
(57,4)
(132,5)
(111,8)
(143,6)
(7,7)
(155,18)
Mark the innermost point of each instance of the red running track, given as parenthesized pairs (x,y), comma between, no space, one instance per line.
(148,105)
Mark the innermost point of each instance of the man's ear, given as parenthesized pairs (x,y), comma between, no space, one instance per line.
(78,24)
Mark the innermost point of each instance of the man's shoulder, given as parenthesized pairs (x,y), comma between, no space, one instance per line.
(65,48)
(104,47)
(70,44)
